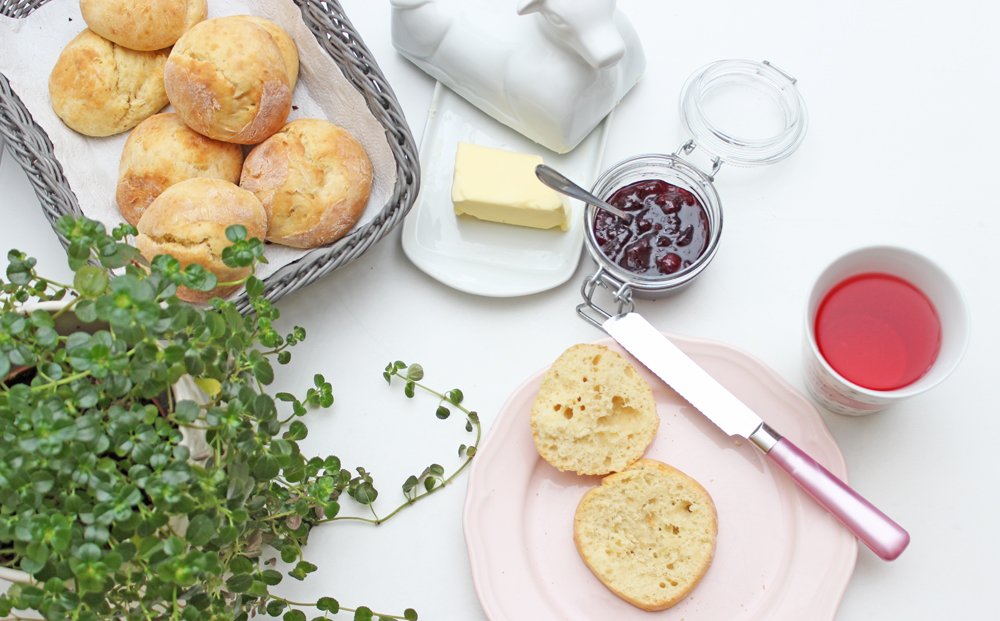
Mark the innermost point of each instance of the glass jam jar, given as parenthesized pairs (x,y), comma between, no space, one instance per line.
(740,112)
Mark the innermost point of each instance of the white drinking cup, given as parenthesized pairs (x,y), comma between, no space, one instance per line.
(837,394)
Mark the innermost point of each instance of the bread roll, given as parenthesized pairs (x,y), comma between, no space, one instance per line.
(313,178)
(162,151)
(227,79)
(285,43)
(99,88)
(142,25)
(594,413)
(189,221)
(648,533)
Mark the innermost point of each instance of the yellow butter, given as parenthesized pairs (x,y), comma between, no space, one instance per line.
(500,186)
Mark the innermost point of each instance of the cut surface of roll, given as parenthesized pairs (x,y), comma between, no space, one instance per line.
(594,413)
(647,533)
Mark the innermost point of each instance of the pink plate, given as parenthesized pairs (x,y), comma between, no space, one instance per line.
(778,555)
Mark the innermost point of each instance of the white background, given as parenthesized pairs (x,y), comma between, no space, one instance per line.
(903,99)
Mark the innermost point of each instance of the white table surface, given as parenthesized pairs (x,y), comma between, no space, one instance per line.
(903,103)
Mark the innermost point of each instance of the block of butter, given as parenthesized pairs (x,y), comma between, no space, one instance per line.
(500,186)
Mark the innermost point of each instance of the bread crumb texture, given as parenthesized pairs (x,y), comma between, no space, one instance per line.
(594,413)
(647,533)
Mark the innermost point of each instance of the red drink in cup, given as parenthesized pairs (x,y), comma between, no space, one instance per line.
(878,331)
(882,324)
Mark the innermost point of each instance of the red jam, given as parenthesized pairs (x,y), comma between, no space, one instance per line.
(668,232)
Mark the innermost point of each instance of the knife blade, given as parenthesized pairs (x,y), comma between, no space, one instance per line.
(875,529)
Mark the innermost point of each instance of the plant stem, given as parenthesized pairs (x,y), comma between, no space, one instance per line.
(342,608)
(474,420)
(66,380)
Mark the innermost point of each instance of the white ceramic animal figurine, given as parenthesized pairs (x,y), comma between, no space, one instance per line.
(552,75)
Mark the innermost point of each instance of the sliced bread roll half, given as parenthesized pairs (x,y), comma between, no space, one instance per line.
(594,413)
(648,533)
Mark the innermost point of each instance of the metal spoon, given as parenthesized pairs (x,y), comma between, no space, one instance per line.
(558,182)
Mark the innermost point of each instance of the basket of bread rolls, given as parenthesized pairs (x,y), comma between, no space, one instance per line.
(194,119)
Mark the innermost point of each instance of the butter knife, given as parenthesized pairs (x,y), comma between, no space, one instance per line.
(881,534)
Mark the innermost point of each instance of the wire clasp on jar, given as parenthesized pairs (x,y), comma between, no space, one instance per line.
(619,292)
(687,148)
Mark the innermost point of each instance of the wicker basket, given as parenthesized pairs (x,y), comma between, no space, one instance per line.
(30,146)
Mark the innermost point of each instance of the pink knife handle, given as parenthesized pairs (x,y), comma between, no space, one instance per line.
(875,529)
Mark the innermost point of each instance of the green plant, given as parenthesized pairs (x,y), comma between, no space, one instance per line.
(102,504)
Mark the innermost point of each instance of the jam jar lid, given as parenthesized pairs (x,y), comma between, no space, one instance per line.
(744,112)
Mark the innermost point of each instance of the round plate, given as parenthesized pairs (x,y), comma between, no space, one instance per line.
(778,555)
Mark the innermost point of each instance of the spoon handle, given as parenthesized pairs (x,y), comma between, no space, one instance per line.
(558,182)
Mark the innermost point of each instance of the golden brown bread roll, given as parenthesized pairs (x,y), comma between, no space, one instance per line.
(99,88)
(313,178)
(285,43)
(228,80)
(142,25)
(162,151)
(189,222)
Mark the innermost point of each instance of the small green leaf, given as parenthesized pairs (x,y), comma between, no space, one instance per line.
(302,569)
(294,615)
(91,281)
(254,286)
(271,577)
(289,553)
(86,311)
(241,565)
(328,604)
(239,583)
(263,372)
(200,530)
(363,613)
(415,373)
(186,411)
(410,482)
(236,232)
(297,430)
(410,614)
(198,278)
(442,412)
(275,606)
(408,389)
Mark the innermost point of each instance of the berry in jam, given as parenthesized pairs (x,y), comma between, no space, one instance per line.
(668,231)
